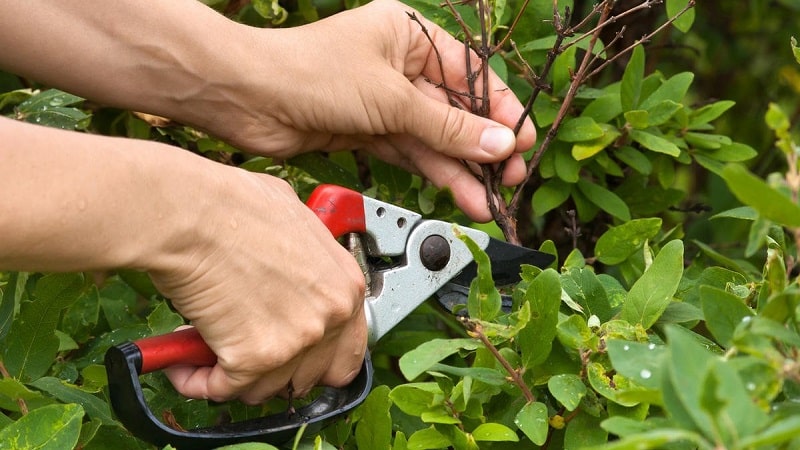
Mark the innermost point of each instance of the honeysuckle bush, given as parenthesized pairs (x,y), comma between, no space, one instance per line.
(640,335)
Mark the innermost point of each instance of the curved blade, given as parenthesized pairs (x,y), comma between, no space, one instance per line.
(507,259)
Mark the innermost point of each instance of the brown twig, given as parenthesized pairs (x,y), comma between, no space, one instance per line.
(475,330)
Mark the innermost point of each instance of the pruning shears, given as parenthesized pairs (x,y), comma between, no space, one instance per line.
(406,260)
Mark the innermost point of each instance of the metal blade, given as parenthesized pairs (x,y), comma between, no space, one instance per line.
(507,260)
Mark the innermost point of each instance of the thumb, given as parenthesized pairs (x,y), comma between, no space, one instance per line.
(458,133)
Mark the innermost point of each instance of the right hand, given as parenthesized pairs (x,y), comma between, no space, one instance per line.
(274,295)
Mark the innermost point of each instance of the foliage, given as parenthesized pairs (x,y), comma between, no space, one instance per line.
(647,333)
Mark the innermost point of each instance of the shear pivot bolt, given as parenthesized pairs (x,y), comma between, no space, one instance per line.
(435,253)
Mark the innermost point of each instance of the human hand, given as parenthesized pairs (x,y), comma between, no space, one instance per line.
(272,293)
(366,78)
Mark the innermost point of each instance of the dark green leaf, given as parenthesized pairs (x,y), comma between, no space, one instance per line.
(605,199)
(95,407)
(324,170)
(582,285)
(549,196)
(710,112)
(10,299)
(641,362)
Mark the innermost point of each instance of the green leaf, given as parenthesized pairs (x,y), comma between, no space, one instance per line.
(12,390)
(55,427)
(395,179)
(733,152)
(427,438)
(567,167)
(655,439)
(532,419)
(795,50)
(605,199)
(549,196)
(641,362)
(95,407)
(568,389)
(544,296)
(163,320)
(484,374)
(484,301)
(10,299)
(584,430)
(655,143)
(32,344)
(417,361)
(587,149)
(673,89)
(635,159)
(631,87)
(707,113)
(621,242)
(603,109)
(324,170)
(494,432)
(579,129)
(754,192)
(415,398)
(582,286)
(374,429)
(723,312)
(784,430)
(651,293)
(685,21)
(638,119)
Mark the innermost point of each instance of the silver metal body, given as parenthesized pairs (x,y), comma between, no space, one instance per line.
(395,292)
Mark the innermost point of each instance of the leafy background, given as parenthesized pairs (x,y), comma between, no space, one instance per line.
(668,321)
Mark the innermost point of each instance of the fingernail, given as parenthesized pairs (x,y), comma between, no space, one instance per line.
(497,140)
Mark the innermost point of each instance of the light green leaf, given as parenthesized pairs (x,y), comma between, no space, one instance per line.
(619,243)
(544,296)
(579,129)
(654,439)
(662,112)
(673,89)
(53,427)
(707,113)
(9,300)
(415,398)
(655,143)
(494,432)
(417,361)
(784,430)
(650,295)
(374,429)
(638,119)
(754,192)
(427,438)
(484,301)
(733,152)
(742,212)
(532,419)
(585,150)
(568,389)
(605,200)
(641,362)
(685,21)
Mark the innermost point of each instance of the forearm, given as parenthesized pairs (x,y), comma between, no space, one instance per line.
(73,201)
(169,57)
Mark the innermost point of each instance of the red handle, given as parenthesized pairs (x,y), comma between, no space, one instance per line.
(342,212)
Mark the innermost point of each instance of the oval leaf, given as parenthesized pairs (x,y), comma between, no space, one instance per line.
(754,192)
